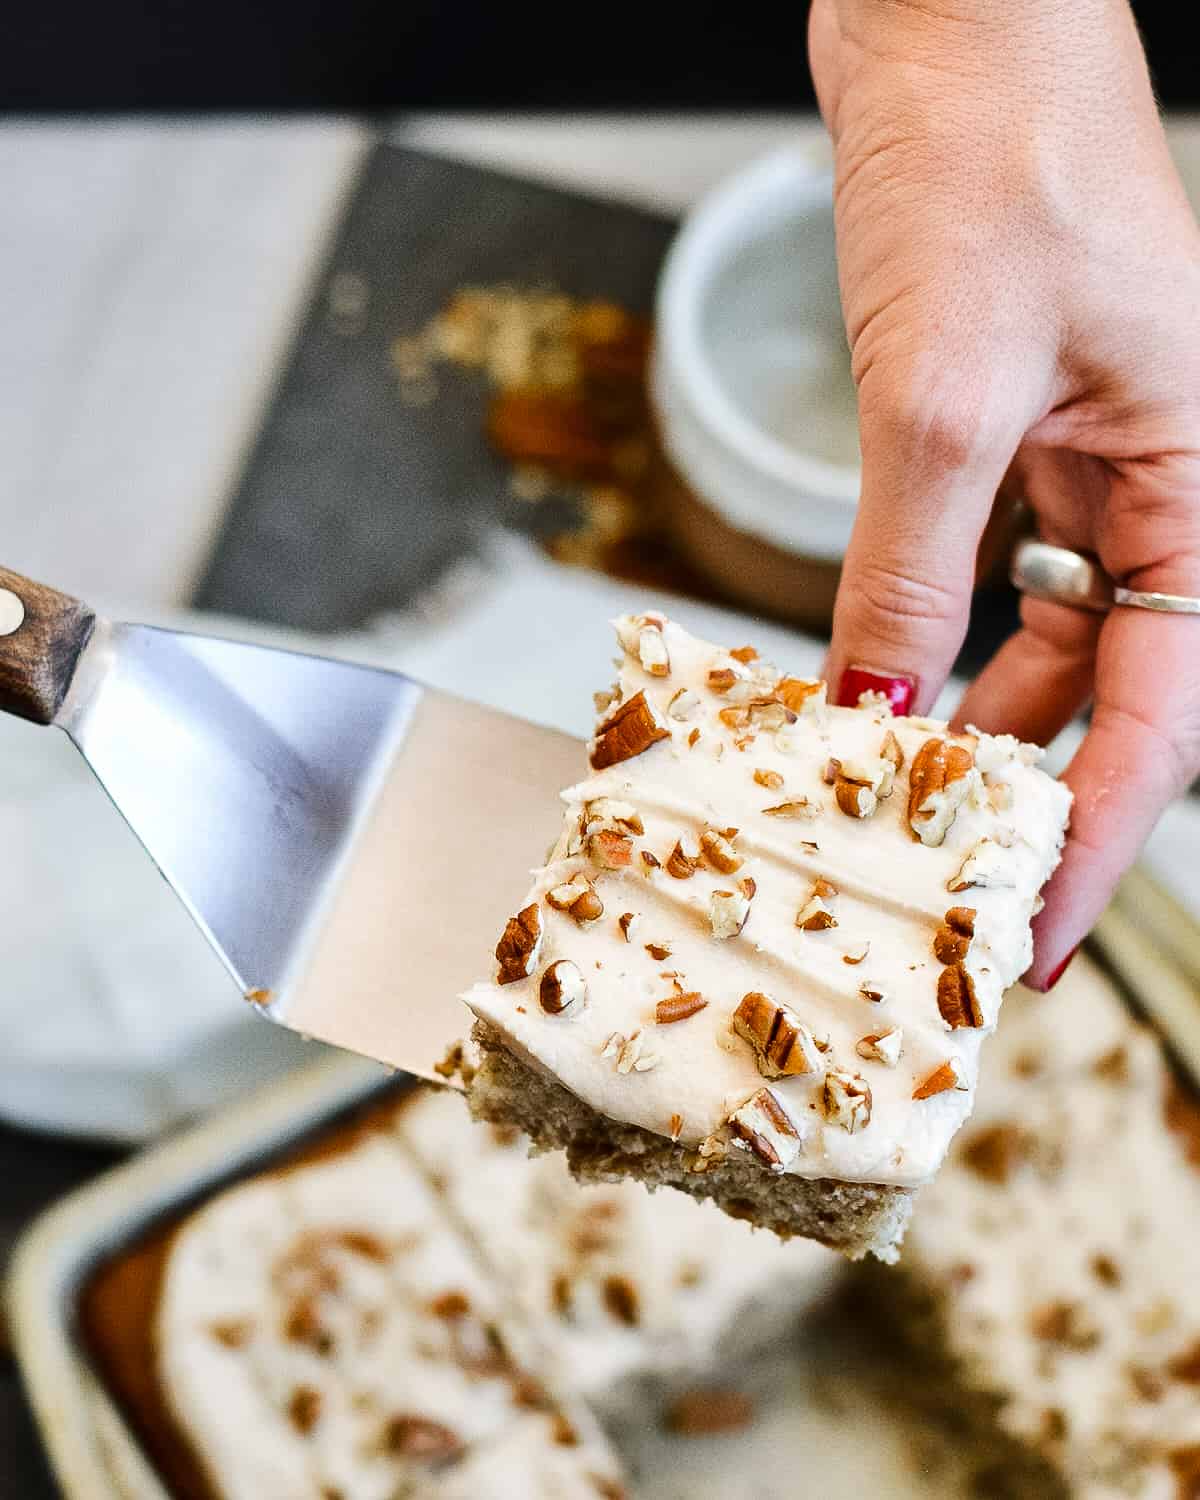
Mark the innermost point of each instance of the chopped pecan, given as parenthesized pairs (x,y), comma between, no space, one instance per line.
(940,1081)
(855,801)
(658,951)
(518,949)
(873,990)
(609,812)
(652,651)
(562,986)
(782,1044)
(610,849)
(953,938)
(719,852)
(727,912)
(882,1046)
(421,1438)
(745,654)
(622,1301)
(650,862)
(629,730)
(705,1412)
(799,808)
(628,922)
(846,1100)
(684,859)
(678,1008)
(772,780)
(799,694)
(995,1152)
(938,784)
(1065,1323)
(578,897)
(816,915)
(765,1127)
(683,705)
(630,1053)
(956,998)
(856,954)
(721,679)
(892,752)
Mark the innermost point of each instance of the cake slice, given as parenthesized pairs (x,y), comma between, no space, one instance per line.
(1050,1277)
(760,960)
(628,1296)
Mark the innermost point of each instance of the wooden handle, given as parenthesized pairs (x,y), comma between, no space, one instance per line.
(42,633)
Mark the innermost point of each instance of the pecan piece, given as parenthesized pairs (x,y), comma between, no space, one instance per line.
(953,938)
(629,730)
(684,860)
(763,1126)
(562,986)
(940,1081)
(719,852)
(422,1439)
(772,780)
(938,785)
(816,915)
(728,910)
(984,866)
(518,949)
(683,705)
(846,1100)
(882,1046)
(800,695)
(678,1008)
(799,808)
(956,998)
(578,898)
(782,1044)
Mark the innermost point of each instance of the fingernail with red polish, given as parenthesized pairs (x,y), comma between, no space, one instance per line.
(899,691)
(1061,970)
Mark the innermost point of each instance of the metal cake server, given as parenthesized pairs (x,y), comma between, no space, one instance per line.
(349,841)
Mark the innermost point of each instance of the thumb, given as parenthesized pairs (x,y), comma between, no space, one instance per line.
(933,458)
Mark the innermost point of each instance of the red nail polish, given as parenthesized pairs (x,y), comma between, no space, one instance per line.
(1061,970)
(899,691)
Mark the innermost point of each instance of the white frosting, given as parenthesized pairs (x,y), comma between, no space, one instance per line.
(705,1286)
(1100,1214)
(893,892)
(329,1277)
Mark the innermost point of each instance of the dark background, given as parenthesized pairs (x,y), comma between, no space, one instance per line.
(384,55)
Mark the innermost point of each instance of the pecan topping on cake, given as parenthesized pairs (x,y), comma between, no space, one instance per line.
(578,897)
(938,784)
(953,937)
(816,915)
(630,1053)
(628,731)
(799,694)
(765,1127)
(846,1100)
(678,1008)
(956,998)
(718,850)
(652,651)
(940,1081)
(882,1046)
(518,949)
(772,780)
(728,910)
(684,860)
(683,705)
(562,986)
(628,922)
(702,1413)
(421,1438)
(782,1044)
(798,807)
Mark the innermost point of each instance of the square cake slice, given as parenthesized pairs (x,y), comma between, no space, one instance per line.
(760,960)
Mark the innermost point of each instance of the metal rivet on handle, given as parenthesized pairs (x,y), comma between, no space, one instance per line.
(12,612)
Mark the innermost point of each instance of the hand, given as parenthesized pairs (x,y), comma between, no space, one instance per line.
(1020,276)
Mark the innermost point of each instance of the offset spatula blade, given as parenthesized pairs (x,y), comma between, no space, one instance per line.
(350,842)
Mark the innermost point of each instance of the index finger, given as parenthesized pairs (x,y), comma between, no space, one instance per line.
(1141,750)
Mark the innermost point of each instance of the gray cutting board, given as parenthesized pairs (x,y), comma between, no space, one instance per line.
(352,501)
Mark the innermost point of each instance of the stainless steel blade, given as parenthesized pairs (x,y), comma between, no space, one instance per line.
(349,841)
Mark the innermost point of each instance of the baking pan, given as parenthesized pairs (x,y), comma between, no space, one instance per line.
(96,1455)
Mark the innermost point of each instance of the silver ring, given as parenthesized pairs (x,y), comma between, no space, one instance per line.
(1066,577)
(1062,576)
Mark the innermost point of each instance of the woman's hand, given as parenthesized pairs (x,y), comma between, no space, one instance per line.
(1020,276)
